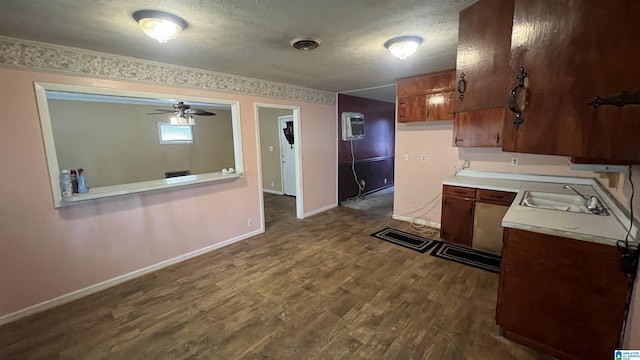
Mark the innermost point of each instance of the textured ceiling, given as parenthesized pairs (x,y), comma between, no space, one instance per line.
(251,37)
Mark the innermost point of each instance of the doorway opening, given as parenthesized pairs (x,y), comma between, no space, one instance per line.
(279,160)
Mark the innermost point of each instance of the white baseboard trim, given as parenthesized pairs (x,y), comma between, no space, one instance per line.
(92,289)
(317,211)
(432,224)
(273,192)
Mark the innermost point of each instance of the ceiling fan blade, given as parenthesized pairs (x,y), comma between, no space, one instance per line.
(199,112)
(161,113)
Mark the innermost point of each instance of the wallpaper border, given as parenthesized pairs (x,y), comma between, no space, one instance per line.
(25,54)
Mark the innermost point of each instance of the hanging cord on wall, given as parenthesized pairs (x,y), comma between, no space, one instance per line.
(420,223)
(629,253)
(632,257)
(355,175)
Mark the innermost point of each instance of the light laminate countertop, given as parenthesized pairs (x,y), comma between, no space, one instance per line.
(588,227)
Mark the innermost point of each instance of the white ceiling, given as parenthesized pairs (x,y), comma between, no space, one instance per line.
(251,37)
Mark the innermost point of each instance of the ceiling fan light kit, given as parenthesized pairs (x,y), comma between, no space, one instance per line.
(182,120)
(160,25)
(403,46)
(183,114)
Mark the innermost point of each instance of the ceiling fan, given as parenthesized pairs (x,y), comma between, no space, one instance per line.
(183,114)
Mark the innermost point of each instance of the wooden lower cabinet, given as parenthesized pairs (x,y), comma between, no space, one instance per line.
(462,223)
(561,296)
(457,220)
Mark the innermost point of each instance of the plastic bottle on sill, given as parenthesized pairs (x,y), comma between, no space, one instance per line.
(67,186)
(82,184)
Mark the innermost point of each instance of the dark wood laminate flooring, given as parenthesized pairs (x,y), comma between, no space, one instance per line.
(318,288)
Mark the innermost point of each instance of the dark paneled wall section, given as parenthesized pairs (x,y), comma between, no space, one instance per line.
(374,155)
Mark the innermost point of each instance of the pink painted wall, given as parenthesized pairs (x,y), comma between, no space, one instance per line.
(418,182)
(47,252)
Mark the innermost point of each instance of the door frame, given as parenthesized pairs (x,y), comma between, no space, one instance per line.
(297,156)
(280,119)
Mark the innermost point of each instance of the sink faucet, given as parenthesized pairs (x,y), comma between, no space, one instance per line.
(592,202)
(569,187)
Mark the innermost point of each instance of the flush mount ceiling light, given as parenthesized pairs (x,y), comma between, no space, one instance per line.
(403,46)
(159,25)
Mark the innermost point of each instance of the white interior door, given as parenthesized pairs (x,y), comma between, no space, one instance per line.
(287,153)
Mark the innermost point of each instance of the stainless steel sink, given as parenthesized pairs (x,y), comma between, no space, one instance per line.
(561,202)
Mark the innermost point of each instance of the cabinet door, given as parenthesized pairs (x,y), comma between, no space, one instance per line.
(484,43)
(457,220)
(439,106)
(479,128)
(412,108)
(562,296)
(573,51)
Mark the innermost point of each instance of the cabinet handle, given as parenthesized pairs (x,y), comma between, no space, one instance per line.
(458,139)
(462,86)
(498,138)
(513,105)
(619,99)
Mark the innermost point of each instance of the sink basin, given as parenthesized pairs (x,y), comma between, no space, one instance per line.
(554,201)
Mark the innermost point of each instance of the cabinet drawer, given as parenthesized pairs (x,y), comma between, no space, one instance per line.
(460,191)
(496,197)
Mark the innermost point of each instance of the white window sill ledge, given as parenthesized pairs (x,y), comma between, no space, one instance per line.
(133,188)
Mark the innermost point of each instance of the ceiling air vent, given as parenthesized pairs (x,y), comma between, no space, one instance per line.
(305,43)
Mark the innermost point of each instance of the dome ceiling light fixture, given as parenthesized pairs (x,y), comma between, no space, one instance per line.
(160,25)
(403,46)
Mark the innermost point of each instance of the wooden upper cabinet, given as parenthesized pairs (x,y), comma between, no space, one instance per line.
(573,51)
(484,44)
(426,97)
(439,106)
(427,83)
(412,108)
(479,128)
(483,73)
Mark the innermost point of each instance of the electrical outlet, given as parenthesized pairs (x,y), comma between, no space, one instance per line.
(406,157)
(273,184)
(270,148)
(423,157)
(515,161)
(250,222)
(385,181)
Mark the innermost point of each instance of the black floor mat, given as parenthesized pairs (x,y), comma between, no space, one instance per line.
(407,240)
